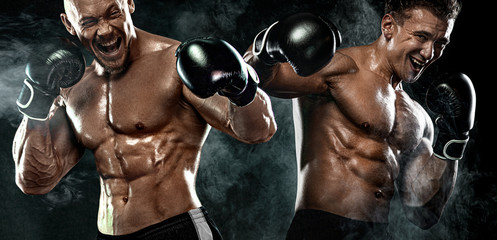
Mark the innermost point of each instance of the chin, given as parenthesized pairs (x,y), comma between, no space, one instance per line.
(114,67)
(412,77)
(114,70)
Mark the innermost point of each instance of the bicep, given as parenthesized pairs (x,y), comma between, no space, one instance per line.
(425,183)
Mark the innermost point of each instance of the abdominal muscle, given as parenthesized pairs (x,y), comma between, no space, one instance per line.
(344,169)
(352,187)
(138,189)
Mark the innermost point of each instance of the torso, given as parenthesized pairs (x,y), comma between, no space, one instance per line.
(349,140)
(145,138)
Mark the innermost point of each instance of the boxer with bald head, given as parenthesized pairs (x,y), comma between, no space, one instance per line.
(359,136)
(144,108)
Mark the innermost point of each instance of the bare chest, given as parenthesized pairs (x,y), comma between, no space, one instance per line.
(140,102)
(379,112)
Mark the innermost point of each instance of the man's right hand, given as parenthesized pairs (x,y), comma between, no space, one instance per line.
(58,65)
(307,42)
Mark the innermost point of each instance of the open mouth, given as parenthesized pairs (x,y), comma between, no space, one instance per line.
(109,48)
(417,65)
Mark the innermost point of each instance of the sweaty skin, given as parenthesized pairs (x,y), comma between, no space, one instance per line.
(144,127)
(359,136)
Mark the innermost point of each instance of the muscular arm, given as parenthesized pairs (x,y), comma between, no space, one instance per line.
(223,89)
(280,79)
(44,151)
(253,123)
(425,182)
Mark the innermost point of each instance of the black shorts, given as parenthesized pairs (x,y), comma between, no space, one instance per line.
(316,224)
(191,225)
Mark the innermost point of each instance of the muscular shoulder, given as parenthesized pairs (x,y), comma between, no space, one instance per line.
(352,64)
(344,60)
(153,44)
(340,66)
(156,52)
(342,63)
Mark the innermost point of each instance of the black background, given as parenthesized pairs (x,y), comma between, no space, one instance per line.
(249,190)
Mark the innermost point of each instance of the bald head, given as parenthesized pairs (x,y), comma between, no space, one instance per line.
(73,8)
(69,9)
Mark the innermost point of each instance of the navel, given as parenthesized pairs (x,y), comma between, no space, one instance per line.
(140,126)
(378,194)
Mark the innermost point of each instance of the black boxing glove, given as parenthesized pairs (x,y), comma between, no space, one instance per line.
(306,41)
(208,66)
(453,98)
(58,64)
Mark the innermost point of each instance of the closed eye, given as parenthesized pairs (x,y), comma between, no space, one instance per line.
(115,13)
(88,22)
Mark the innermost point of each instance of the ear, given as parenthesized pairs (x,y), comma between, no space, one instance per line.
(67,23)
(131,6)
(387,26)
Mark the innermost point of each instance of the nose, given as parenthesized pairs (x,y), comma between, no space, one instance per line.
(104,28)
(428,51)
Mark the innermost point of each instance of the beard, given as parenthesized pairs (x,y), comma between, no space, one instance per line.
(117,68)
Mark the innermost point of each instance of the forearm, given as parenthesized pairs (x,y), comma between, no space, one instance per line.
(433,204)
(226,93)
(255,122)
(266,72)
(426,186)
(252,123)
(37,166)
(42,156)
(431,175)
(436,177)
(44,148)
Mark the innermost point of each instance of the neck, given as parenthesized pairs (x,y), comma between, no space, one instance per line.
(380,64)
(134,44)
